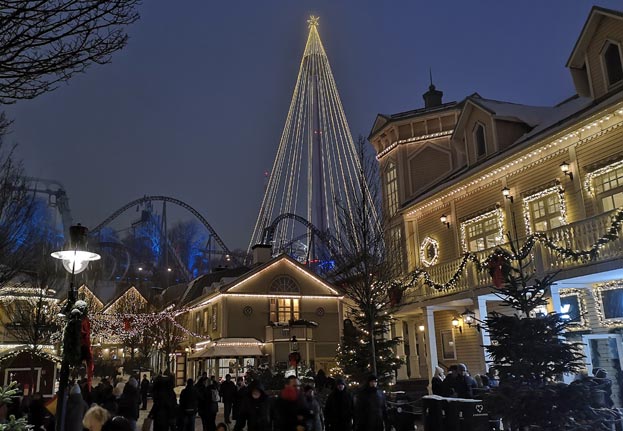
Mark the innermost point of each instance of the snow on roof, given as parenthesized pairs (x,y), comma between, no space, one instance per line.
(530,115)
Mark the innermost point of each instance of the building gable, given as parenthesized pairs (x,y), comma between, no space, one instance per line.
(586,62)
(126,301)
(281,276)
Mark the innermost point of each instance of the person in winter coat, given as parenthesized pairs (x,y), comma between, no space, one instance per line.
(339,408)
(189,404)
(241,394)
(288,410)
(163,412)
(463,384)
(314,419)
(228,394)
(129,402)
(208,396)
(437,383)
(144,391)
(76,408)
(255,412)
(371,408)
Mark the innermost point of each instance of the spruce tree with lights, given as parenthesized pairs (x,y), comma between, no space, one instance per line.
(529,349)
(367,270)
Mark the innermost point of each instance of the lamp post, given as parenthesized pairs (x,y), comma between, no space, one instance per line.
(75,258)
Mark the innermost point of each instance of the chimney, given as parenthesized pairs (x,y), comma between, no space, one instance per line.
(432,97)
(262,253)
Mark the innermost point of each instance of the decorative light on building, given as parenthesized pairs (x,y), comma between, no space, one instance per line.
(506,192)
(598,290)
(556,190)
(534,156)
(564,167)
(581,312)
(588,179)
(497,213)
(429,251)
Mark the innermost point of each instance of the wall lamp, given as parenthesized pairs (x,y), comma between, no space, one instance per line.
(506,192)
(565,168)
(469,318)
(421,328)
(444,220)
(456,324)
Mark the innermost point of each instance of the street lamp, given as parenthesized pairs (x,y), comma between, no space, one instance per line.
(75,258)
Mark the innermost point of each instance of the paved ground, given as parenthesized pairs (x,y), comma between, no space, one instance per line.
(219,418)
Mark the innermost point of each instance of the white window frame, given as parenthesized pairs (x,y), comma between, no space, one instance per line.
(589,183)
(582,325)
(598,290)
(282,309)
(529,200)
(475,138)
(604,68)
(497,213)
(391,188)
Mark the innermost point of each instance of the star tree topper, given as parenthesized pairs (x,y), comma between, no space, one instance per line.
(313,21)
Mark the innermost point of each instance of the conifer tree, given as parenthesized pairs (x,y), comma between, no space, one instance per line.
(529,349)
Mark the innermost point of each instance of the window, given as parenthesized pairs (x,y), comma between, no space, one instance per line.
(284,309)
(612,62)
(483,232)
(609,302)
(394,248)
(479,139)
(608,188)
(391,189)
(573,308)
(545,210)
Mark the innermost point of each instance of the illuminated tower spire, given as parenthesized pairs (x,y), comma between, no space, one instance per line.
(316,168)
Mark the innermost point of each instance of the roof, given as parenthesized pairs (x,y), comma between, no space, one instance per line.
(573,109)
(230,348)
(250,273)
(576,59)
(197,286)
(383,119)
(140,290)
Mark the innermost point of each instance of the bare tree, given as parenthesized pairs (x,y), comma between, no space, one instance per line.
(367,266)
(45,42)
(168,335)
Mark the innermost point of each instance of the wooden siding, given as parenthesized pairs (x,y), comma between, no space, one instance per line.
(609,29)
(467,344)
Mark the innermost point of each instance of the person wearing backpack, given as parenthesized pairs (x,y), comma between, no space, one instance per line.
(208,398)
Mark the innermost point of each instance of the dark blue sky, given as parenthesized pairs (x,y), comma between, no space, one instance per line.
(195,105)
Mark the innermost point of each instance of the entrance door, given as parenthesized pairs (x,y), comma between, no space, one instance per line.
(606,351)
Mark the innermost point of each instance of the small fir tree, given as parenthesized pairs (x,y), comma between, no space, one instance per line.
(529,350)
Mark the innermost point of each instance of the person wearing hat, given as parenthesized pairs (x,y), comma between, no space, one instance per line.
(338,411)
(371,408)
(76,408)
(255,412)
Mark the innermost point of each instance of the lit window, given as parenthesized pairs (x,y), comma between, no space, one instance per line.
(284,309)
(483,232)
(609,188)
(391,189)
(612,61)
(479,139)
(545,210)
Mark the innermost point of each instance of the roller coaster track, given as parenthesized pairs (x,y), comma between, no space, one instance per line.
(168,199)
(326,238)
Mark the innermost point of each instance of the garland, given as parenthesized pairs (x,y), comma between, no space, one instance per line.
(584,255)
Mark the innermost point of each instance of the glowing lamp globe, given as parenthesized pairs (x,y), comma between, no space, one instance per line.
(75,261)
(75,257)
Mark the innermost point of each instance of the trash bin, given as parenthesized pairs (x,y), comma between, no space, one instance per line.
(450,412)
(472,415)
(431,406)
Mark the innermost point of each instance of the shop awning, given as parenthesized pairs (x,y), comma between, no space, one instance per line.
(230,348)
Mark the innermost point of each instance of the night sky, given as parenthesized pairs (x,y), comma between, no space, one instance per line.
(195,105)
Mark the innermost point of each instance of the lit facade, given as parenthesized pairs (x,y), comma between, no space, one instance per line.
(467,173)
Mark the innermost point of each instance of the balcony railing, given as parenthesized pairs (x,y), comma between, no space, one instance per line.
(581,235)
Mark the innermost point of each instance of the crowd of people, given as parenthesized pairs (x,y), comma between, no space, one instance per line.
(115,406)
(458,383)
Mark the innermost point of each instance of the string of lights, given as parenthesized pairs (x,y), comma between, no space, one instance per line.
(591,253)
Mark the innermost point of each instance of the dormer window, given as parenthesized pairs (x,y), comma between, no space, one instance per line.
(612,63)
(479,141)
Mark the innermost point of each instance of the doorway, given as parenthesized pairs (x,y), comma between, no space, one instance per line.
(606,351)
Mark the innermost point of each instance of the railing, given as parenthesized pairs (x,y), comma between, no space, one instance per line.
(301,332)
(577,236)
